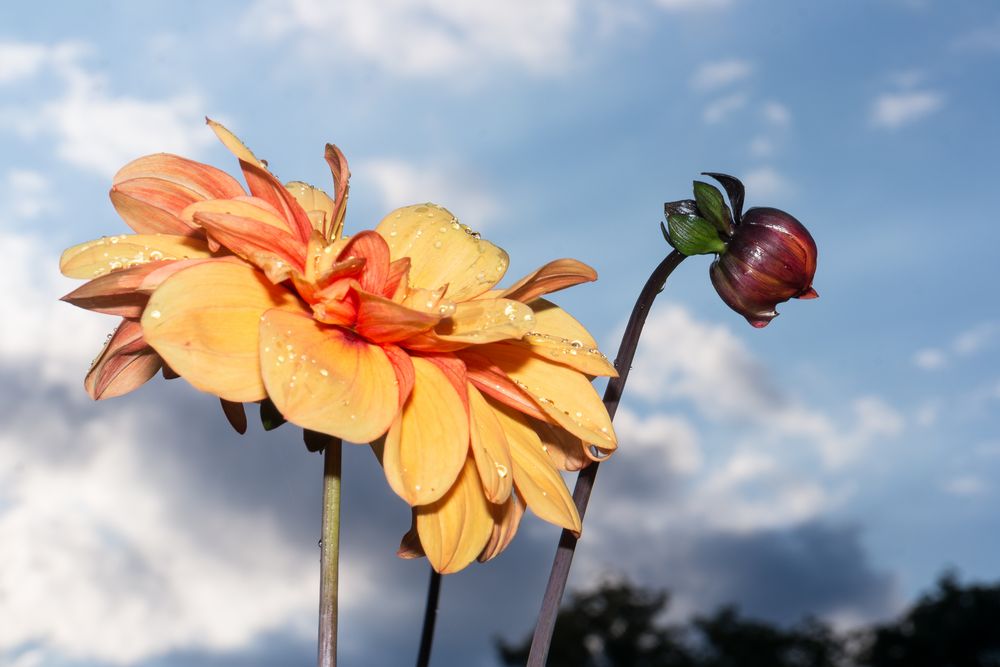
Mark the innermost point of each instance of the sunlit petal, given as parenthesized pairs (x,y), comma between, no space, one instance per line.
(318,205)
(481,321)
(372,248)
(204,322)
(557,336)
(327,379)
(492,381)
(443,251)
(341,183)
(489,448)
(565,395)
(271,248)
(454,529)
(556,275)
(427,444)
(537,480)
(111,253)
(125,363)
(385,321)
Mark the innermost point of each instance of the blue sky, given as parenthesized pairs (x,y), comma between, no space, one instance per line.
(833,463)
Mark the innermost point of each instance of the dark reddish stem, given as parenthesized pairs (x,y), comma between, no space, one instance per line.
(430,616)
(585,480)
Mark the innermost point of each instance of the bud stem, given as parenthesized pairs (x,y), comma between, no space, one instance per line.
(585,480)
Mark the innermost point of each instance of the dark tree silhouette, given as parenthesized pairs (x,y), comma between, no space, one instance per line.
(730,641)
(953,626)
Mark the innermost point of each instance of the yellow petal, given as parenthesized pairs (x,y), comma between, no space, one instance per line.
(454,529)
(204,321)
(325,378)
(429,441)
(556,275)
(318,205)
(443,251)
(384,321)
(555,335)
(253,208)
(506,519)
(564,449)
(111,253)
(273,249)
(564,394)
(537,480)
(489,448)
(482,321)
(125,363)
(492,381)
(235,146)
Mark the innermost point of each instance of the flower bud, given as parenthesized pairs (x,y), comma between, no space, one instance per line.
(769,259)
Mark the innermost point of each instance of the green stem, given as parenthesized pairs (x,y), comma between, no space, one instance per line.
(330,554)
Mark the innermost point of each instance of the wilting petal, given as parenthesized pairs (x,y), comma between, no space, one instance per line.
(318,205)
(489,448)
(492,381)
(566,396)
(116,293)
(325,378)
(478,322)
(428,443)
(556,275)
(372,248)
(235,415)
(150,193)
(454,529)
(125,363)
(506,519)
(112,253)
(443,251)
(384,321)
(409,546)
(537,480)
(557,336)
(204,322)
(341,183)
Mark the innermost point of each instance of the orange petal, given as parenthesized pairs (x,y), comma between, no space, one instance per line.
(428,442)
(556,275)
(537,480)
(384,321)
(318,205)
(204,322)
(565,395)
(235,146)
(372,248)
(555,335)
(111,253)
(272,249)
(489,448)
(565,449)
(116,293)
(443,251)
(481,321)
(150,193)
(492,381)
(325,378)
(403,366)
(454,529)
(506,519)
(125,363)
(341,184)
(396,282)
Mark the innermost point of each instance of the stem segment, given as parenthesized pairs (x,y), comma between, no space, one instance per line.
(330,554)
(430,616)
(585,480)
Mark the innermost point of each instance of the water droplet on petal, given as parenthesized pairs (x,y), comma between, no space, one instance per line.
(501,470)
(155,314)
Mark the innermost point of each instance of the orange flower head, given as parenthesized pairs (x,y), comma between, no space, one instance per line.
(474,398)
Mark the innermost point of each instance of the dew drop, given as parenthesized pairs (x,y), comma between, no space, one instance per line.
(281,358)
(324,372)
(155,314)
(438,244)
(501,470)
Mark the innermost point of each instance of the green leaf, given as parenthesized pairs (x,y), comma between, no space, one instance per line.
(270,418)
(693,235)
(713,207)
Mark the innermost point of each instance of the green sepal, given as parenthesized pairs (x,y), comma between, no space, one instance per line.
(316,441)
(270,417)
(693,235)
(713,207)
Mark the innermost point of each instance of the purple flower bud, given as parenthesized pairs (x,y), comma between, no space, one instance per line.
(770,259)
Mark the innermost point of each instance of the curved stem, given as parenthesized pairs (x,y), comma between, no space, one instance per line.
(330,554)
(585,480)
(430,616)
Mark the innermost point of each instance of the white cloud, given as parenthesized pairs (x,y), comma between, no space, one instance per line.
(983,38)
(719,74)
(667,439)
(930,359)
(966,486)
(19,60)
(894,110)
(718,110)
(25,194)
(692,5)
(776,113)
(761,146)
(401,183)
(968,343)
(765,182)
(96,129)
(424,37)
